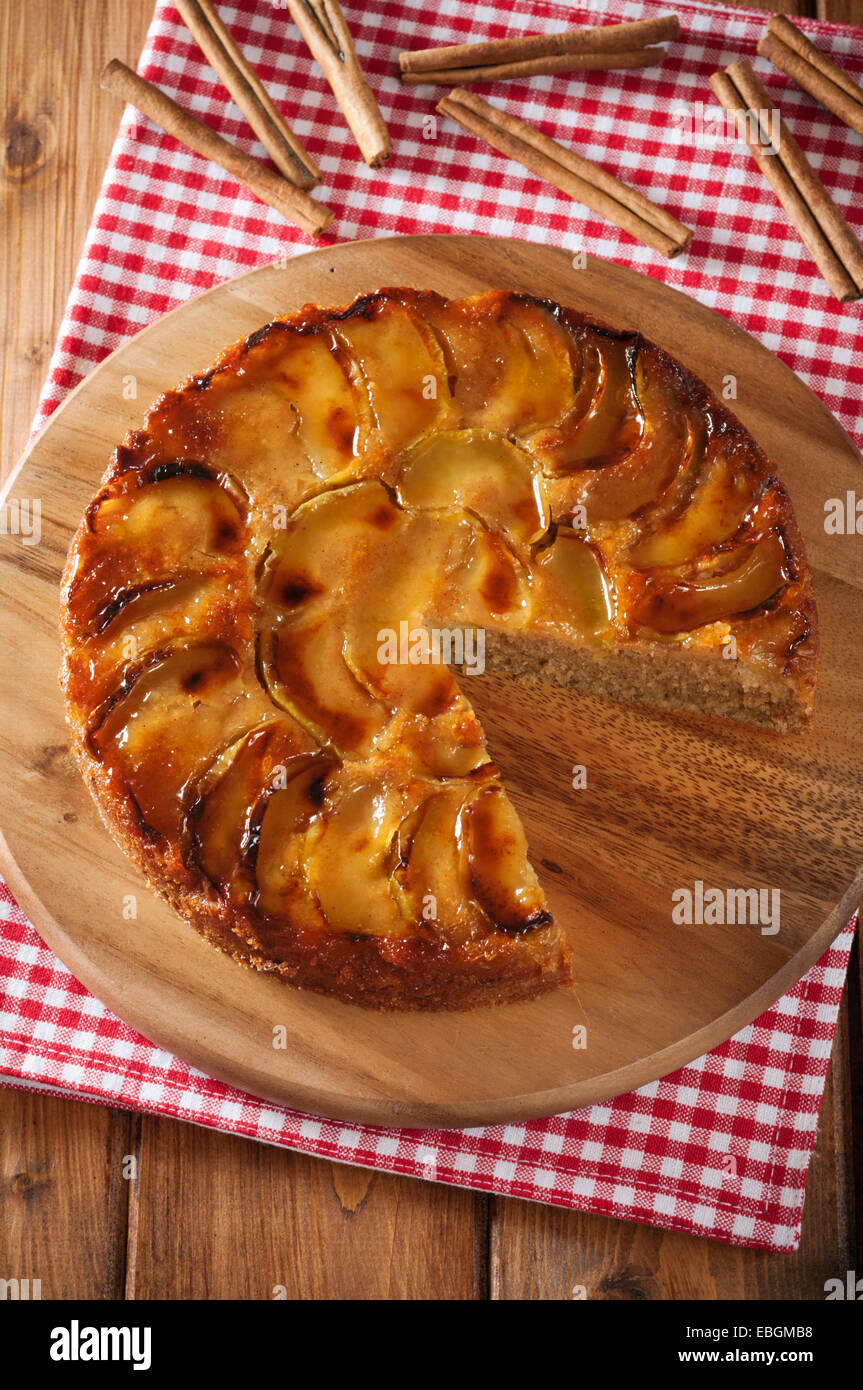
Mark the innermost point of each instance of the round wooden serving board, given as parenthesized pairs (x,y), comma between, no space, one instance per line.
(669,800)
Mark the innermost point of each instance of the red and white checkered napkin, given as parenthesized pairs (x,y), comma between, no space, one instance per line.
(720,1147)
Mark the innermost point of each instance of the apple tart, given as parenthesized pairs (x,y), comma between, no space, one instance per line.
(317,799)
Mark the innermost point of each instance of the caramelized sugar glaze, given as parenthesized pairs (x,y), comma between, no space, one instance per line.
(497,463)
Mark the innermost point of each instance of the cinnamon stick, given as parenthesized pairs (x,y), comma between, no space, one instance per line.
(792,53)
(789,34)
(294,204)
(607,38)
(536,67)
(574,175)
(324,29)
(821,227)
(244,85)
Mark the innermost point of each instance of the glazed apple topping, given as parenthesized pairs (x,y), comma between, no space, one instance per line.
(303,668)
(431,878)
(483,473)
(163,722)
(328,537)
(573,594)
(143,619)
(253,595)
(400,365)
(226,806)
(652,466)
(717,508)
(510,366)
(161,524)
(750,575)
(323,401)
(503,882)
(347,860)
(275,848)
(605,422)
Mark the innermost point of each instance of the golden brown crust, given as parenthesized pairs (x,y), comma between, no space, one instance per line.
(203,453)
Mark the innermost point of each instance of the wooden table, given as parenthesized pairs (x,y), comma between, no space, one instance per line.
(179,1230)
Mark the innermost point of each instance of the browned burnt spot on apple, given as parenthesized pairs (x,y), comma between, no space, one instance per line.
(341,428)
(382,517)
(439,694)
(225,807)
(161,723)
(500,586)
(120,602)
(297,591)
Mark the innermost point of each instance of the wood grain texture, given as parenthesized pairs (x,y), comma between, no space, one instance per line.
(329,1231)
(43,229)
(57,133)
(836,11)
(63,1195)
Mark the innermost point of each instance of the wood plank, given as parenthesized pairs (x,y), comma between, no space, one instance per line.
(58,130)
(220,1217)
(63,1195)
(841,11)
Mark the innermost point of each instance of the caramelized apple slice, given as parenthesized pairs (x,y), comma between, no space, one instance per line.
(503,882)
(403,662)
(164,721)
(324,401)
(348,861)
(572,594)
(458,572)
(278,832)
(399,662)
(151,607)
(623,488)
(760,571)
(769,640)
(715,512)
(606,422)
(406,668)
(482,472)
(510,361)
(326,539)
(431,878)
(401,367)
(493,585)
(181,504)
(144,618)
(450,745)
(303,668)
(288,407)
(698,449)
(556,364)
(386,641)
(177,521)
(222,808)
